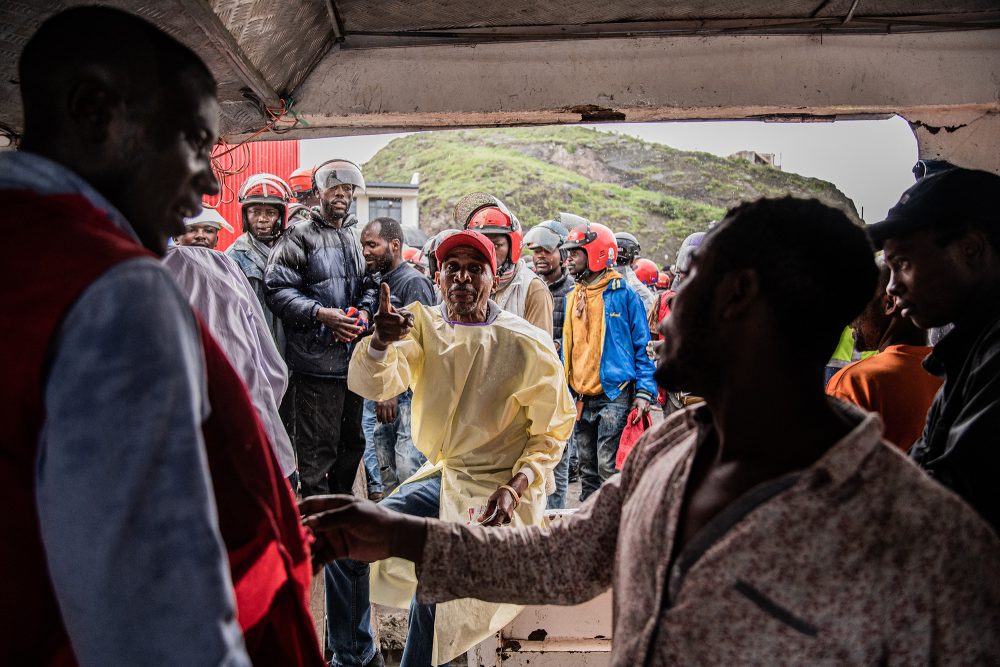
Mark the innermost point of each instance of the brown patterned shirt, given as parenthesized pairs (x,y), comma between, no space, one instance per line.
(859,559)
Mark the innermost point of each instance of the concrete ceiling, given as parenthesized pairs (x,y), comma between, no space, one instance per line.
(348,66)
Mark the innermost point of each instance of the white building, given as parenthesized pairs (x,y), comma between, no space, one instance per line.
(390,200)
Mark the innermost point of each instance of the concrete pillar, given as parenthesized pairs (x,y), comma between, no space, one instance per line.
(966,139)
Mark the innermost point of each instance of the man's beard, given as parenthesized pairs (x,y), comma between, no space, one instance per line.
(382,264)
(685,366)
(553,273)
(330,214)
(463,307)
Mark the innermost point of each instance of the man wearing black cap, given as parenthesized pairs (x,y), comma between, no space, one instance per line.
(942,244)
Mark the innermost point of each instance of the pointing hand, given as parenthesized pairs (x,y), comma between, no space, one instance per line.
(390,324)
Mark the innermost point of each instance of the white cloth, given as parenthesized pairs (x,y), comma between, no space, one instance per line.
(632,280)
(221,294)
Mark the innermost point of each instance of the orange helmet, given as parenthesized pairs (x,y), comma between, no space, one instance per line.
(414,257)
(662,280)
(301,182)
(597,241)
(646,271)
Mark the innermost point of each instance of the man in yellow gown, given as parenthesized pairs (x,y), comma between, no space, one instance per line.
(491,413)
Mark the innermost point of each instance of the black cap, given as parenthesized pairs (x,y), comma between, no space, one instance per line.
(956,195)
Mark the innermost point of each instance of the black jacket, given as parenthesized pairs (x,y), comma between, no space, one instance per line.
(960,446)
(559,289)
(314,265)
(407,285)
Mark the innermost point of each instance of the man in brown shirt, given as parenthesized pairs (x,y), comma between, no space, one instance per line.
(770,524)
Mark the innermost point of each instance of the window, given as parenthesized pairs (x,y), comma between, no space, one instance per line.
(386,208)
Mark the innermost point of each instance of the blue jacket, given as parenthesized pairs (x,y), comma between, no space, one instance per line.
(624,335)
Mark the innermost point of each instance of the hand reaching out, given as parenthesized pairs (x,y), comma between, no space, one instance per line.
(347,527)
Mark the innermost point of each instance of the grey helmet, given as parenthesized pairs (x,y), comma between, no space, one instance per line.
(683,263)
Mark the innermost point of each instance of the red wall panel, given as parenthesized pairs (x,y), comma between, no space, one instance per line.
(280,158)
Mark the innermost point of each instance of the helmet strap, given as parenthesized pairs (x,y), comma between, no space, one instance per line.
(586,276)
(506,269)
(268,239)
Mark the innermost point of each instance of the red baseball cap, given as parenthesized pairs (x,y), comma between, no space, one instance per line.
(469,239)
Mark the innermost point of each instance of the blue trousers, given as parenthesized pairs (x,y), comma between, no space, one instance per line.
(557,500)
(368,425)
(398,457)
(348,599)
(597,435)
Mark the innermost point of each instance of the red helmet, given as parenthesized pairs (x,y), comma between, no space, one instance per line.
(488,215)
(597,241)
(301,182)
(662,280)
(646,271)
(409,253)
(265,189)
(298,212)
(414,256)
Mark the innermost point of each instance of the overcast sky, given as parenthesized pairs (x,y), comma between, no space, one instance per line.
(869,160)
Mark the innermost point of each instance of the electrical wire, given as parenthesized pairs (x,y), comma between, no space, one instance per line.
(227,163)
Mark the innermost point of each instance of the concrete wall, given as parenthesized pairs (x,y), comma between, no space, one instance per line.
(933,78)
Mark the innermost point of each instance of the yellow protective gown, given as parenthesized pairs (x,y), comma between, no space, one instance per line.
(487,401)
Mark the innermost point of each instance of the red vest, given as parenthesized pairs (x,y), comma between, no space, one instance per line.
(58,247)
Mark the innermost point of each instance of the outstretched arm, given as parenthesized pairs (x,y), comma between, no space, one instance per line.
(454,561)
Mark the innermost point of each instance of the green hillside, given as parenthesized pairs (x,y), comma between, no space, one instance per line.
(656,192)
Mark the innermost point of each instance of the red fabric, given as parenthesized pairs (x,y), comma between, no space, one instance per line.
(630,436)
(257,514)
(662,310)
(42,277)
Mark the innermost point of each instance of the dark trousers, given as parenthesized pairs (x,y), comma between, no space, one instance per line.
(323,419)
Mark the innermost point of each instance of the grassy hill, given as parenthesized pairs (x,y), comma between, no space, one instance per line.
(658,193)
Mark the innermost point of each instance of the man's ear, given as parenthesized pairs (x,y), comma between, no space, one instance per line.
(496,283)
(736,292)
(972,247)
(93,101)
(888,305)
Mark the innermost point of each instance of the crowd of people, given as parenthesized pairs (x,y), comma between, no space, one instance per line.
(165,402)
